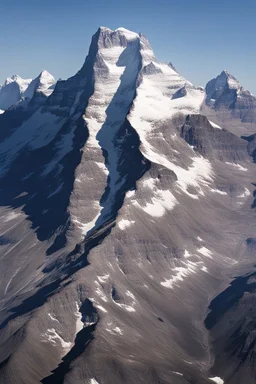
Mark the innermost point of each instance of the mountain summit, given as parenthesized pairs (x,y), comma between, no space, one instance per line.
(15,88)
(125,211)
(225,93)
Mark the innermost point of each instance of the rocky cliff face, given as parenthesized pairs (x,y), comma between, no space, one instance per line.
(124,212)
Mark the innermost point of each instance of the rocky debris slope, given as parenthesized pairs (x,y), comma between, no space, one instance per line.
(124,212)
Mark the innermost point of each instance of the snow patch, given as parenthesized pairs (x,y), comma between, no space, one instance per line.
(218,191)
(245,194)
(237,166)
(205,252)
(93,381)
(217,380)
(186,254)
(52,318)
(52,336)
(130,294)
(102,167)
(214,125)
(123,224)
(161,202)
(103,279)
(101,308)
(130,194)
(115,331)
(182,272)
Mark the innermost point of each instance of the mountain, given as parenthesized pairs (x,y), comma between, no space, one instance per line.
(12,91)
(27,102)
(231,104)
(15,89)
(127,247)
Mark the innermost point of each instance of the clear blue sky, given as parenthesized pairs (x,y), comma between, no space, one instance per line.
(200,37)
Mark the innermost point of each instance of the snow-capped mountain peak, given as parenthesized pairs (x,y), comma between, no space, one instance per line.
(16,88)
(230,101)
(42,83)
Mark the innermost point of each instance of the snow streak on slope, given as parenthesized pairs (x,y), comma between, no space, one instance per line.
(42,84)
(154,106)
(116,71)
(12,91)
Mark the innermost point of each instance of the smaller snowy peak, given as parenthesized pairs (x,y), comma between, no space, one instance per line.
(222,91)
(226,93)
(222,83)
(22,83)
(16,89)
(43,83)
(12,91)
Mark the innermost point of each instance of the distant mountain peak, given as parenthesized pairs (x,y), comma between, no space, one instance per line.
(226,92)
(15,88)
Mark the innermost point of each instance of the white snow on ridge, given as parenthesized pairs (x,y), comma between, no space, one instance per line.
(103,278)
(214,125)
(52,318)
(217,380)
(52,336)
(1,111)
(161,202)
(123,224)
(181,273)
(205,252)
(218,191)
(245,194)
(237,166)
(153,104)
(129,35)
(23,83)
(93,381)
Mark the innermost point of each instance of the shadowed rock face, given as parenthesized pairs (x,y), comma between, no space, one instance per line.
(124,212)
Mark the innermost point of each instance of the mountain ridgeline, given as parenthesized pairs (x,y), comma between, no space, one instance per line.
(127,243)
